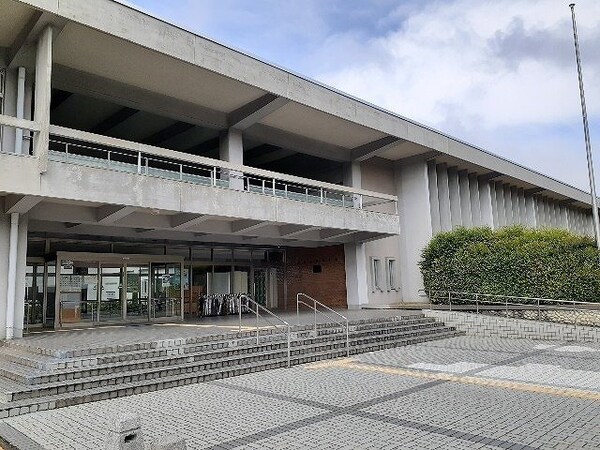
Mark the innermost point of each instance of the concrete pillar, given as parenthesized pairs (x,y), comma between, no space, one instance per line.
(434,197)
(19,309)
(465,199)
(356,275)
(20,109)
(475,200)
(454,190)
(508,205)
(416,230)
(43,91)
(501,212)
(530,211)
(522,209)
(352,177)
(357,286)
(444,197)
(4,247)
(231,149)
(485,204)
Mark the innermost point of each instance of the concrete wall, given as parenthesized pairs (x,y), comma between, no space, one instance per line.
(490,326)
(378,175)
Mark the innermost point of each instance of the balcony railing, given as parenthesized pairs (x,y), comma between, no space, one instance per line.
(87,149)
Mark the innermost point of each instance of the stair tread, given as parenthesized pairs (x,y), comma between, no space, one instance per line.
(168,379)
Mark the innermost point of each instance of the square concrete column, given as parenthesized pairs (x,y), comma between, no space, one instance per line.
(412,185)
(4,248)
(19,311)
(356,275)
(43,91)
(231,149)
(355,256)
(485,203)
(352,177)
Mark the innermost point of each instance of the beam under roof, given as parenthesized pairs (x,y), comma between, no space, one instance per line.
(253,112)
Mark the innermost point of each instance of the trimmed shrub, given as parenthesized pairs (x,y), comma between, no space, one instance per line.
(547,263)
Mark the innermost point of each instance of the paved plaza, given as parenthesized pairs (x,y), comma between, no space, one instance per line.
(459,393)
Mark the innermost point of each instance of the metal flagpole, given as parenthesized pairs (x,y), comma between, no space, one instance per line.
(586,131)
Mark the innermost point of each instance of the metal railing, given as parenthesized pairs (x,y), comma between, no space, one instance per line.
(533,308)
(315,307)
(82,148)
(256,308)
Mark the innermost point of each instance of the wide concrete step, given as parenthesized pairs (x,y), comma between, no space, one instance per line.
(104,365)
(39,386)
(27,347)
(77,359)
(51,400)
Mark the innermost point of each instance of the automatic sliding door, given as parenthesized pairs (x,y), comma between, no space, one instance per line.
(111,301)
(165,290)
(138,287)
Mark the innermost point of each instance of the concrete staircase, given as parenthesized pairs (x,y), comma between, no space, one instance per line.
(33,378)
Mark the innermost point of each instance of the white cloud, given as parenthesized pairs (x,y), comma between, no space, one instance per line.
(445,61)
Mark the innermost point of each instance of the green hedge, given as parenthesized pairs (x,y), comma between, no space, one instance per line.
(548,263)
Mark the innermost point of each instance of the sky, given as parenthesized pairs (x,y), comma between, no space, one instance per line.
(498,74)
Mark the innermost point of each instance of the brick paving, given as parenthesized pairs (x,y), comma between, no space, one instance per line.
(459,393)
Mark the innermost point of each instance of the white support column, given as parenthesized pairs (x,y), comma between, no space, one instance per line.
(353,178)
(19,310)
(522,208)
(355,253)
(454,191)
(20,109)
(500,205)
(508,205)
(530,211)
(231,149)
(514,203)
(444,197)
(43,92)
(356,275)
(465,199)
(475,201)
(412,185)
(4,251)
(485,204)
(434,197)
(12,274)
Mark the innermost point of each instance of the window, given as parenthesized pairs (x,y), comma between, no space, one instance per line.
(376,274)
(391,272)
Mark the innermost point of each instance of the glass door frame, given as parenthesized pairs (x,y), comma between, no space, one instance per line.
(123,260)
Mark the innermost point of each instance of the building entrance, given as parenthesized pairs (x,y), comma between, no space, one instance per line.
(97,288)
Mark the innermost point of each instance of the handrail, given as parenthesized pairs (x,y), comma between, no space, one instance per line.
(248,172)
(314,307)
(174,154)
(258,315)
(478,298)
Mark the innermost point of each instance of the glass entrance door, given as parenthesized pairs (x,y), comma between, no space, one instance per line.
(111,298)
(34,296)
(138,287)
(165,300)
(260,286)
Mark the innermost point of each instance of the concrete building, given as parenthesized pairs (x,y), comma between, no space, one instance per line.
(145,171)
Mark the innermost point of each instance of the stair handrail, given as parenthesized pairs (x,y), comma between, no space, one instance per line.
(314,307)
(479,298)
(258,315)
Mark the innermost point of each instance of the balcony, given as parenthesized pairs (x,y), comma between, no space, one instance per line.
(106,172)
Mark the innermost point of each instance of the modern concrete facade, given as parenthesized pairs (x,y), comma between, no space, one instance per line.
(137,157)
